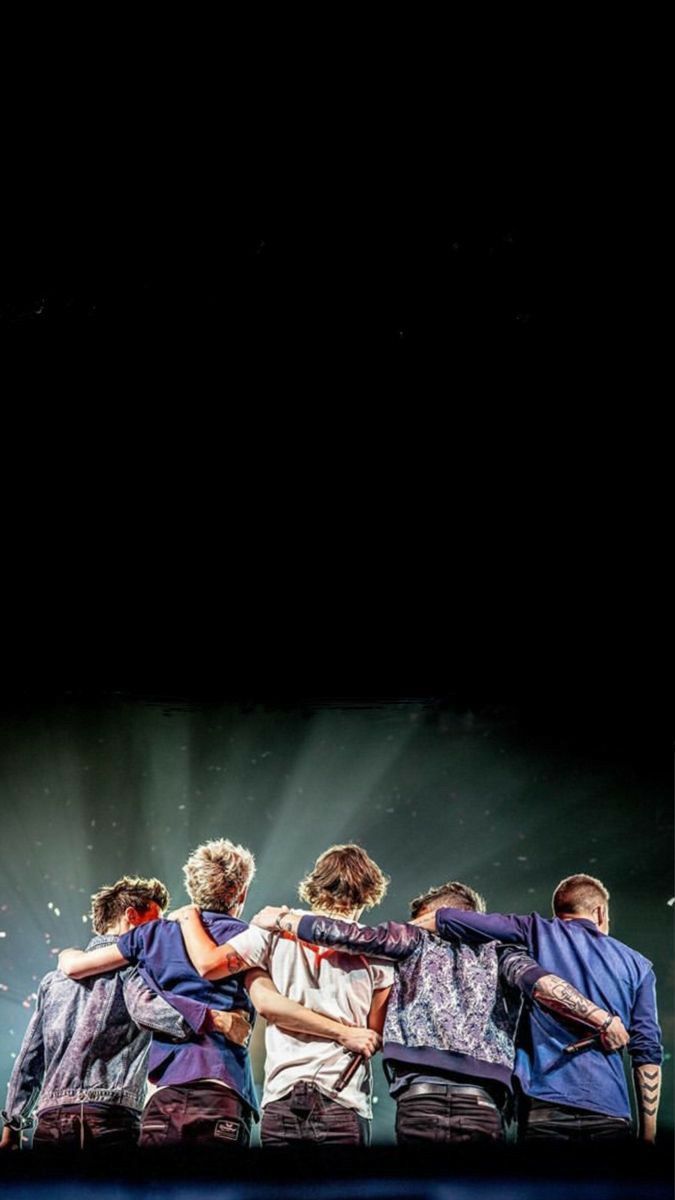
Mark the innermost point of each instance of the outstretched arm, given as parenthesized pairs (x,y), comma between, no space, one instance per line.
(79,964)
(458,924)
(288,1014)
(210,960)
(390,940)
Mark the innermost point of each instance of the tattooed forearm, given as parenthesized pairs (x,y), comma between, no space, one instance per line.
(558,995)
(647,1079)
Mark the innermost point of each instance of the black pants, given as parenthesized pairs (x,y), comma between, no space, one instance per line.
(86,1127)
(306,1115)
(540,1121)
(452,1112)
(197,1114)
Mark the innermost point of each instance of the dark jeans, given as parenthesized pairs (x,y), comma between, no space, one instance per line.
(541,1121)
(453,1113)
(306,1115)
(86,1127)
(196,1114)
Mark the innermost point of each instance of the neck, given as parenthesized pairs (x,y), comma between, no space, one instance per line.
(342,914)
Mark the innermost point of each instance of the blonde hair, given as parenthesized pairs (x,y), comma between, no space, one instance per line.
(343,878)
(216,874)
(131,891)
(578,894)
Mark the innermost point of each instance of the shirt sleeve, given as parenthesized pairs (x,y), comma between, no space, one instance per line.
(645,1033)
(176,1016)
(518,969)
(383,975)
(456,924)
(27,1075)
(389,940)
(132,945)
(253,945)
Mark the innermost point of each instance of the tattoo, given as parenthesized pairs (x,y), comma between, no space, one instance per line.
(287,926)
(235,963)
(561,997)
(648,1089)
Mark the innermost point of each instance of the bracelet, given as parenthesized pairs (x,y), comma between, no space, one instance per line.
(607,1023)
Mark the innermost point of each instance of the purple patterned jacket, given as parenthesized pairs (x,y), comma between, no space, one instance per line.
(452,1007)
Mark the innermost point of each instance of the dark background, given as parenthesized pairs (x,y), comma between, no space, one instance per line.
(322,384)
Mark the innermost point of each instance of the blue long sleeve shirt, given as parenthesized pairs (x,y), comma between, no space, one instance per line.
(609,973)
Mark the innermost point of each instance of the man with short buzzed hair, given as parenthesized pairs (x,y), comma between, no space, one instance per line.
(576,1094)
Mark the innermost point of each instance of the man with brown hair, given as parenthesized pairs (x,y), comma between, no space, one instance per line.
(85,1051)
(577,1091)
(304,1097)
(451,1018)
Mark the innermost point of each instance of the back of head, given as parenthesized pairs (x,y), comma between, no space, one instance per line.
(343,878)
(578,895)
(448,895)
(110,903)
(217,873)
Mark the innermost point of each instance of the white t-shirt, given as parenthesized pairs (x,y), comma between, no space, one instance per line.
(330,982)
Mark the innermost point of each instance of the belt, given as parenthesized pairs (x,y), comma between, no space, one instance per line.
(447,1089)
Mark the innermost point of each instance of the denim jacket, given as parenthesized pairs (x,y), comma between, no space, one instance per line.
(88,1039)
(451,1008)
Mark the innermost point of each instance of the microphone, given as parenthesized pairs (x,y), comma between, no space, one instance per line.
(574,1046)
(348,1072)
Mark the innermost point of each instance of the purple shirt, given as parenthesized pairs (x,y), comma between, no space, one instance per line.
(158,949)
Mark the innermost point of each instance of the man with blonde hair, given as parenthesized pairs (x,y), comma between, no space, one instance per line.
(576,1090)
(305,1096)
(204,1089)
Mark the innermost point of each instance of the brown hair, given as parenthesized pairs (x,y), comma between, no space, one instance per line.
(111,902)
(216,874)
(342,878)
(452,894)
(578,894)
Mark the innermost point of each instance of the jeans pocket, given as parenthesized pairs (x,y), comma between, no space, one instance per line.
(154,1132)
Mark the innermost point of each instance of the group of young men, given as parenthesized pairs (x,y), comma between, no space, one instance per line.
(479,1016)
